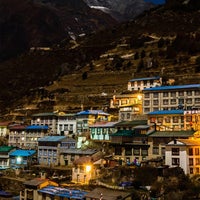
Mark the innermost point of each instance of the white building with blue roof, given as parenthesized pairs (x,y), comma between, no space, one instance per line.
(142,83)
(185,97)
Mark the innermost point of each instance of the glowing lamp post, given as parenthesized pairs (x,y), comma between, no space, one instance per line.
(88,169)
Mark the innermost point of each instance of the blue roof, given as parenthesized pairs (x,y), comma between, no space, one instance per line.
(173,87)
(51,138)
(63,192)
(166,112)
(92,112)
(145,79)
(23,153)
(36,127)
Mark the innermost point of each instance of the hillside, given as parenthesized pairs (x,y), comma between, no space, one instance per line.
(87,72)
(26,24)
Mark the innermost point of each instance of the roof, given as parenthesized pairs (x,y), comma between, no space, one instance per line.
(4,123)
(189,141)
(123,133)
(173,87)
(6,148)
(35,182)
(80,151)
(131,123)
(166,112)
(36,127)
(89,159)
(141,127)
(171,134)
(145,79)
(92,112)
(22,153)
(63,192)
(44,114)
(107,194)
(17,127)
(51,138)
(103,124)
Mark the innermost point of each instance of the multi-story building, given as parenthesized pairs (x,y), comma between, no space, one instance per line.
(101,131)
(46,119)
(66,124)
(4,156)
(49,150)
(143,83)
(85,169)
(16,135)
(158,140)
(26,137)
(170,120)
(184,153)
(22,158)
(126,99)
(89,117)
(185,97)
(32,134)
(4,129)
(130,143)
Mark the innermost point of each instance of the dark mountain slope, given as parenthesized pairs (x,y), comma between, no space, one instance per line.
(26,23)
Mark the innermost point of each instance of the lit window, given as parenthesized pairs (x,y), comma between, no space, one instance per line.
(175,151)
(175,161)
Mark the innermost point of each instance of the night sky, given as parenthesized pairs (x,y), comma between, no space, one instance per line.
(156,1)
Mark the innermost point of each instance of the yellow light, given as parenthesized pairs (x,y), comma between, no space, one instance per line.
(139,97)
(88,168)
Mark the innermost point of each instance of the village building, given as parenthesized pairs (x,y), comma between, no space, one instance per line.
(66,124)
(85,168)
(49,150)
(32,188)
(185,97)
(184,153)
(21,158)
(101,131)
(26,137)
(143,83)
(46,119)
(88,117)
(4,156)
(4,131)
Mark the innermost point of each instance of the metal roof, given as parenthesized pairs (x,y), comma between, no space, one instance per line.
(103,124)
(22,153)
(6,148)
(145,79)
(131,123)
(172,134)
(44,114)
(166,112)
(123,133)
(92,112)
(173,87)
(51,138)
(36,127)
(63,192)
(79,151)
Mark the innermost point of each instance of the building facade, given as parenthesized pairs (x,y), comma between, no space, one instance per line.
(184,153)
(143,83)
(89,117)
(46,119)
(185,97)
(66,124)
